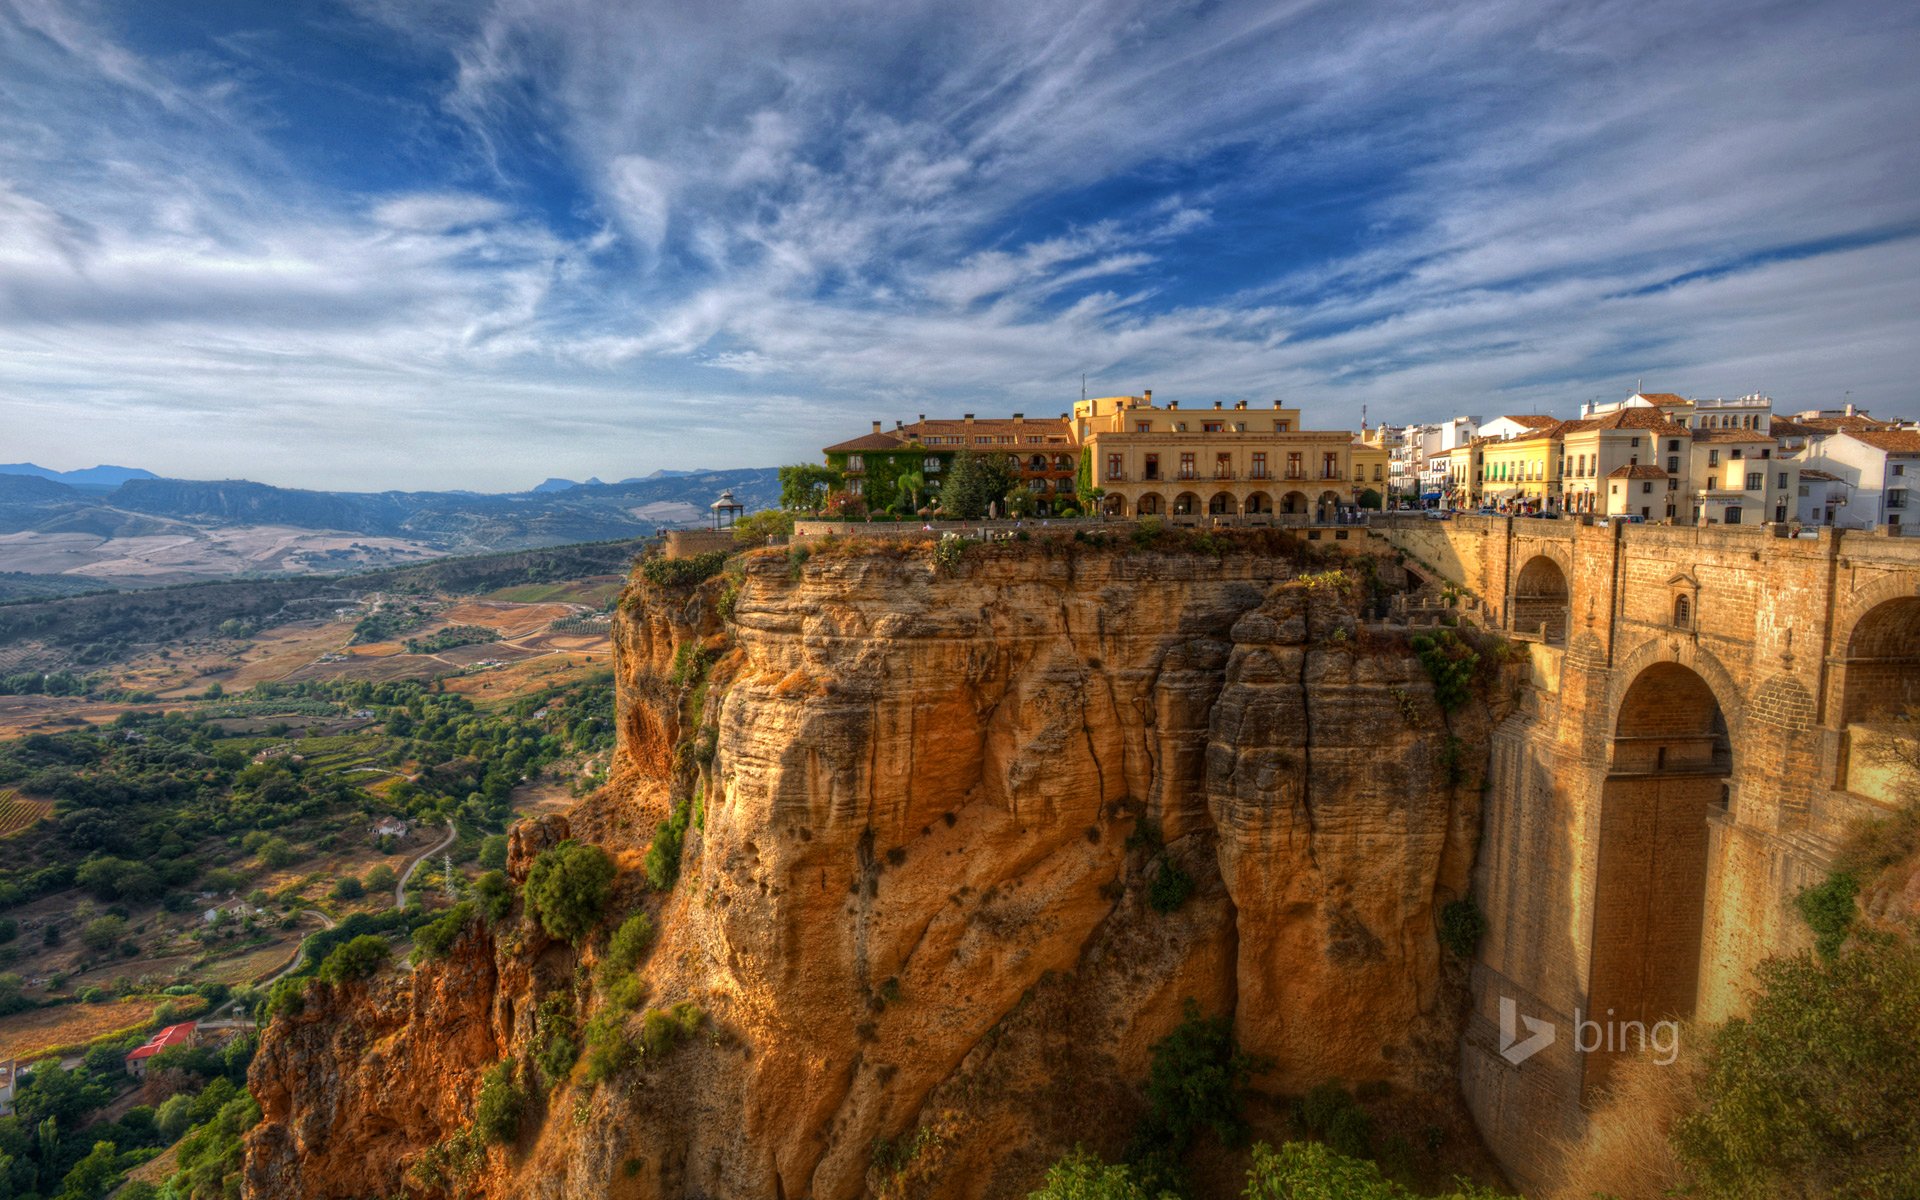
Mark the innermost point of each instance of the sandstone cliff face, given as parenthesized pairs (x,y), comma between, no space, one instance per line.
(917,910)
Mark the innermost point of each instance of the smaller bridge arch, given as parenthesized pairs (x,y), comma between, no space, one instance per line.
(1541,600)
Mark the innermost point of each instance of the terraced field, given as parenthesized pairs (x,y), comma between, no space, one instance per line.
(18,813)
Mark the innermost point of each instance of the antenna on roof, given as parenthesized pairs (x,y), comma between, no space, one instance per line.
(1083,387)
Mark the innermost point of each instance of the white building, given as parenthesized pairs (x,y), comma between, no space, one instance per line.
(1738,475)
(1877,468)
(1514,426)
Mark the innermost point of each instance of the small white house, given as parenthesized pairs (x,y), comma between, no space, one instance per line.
(1879,469)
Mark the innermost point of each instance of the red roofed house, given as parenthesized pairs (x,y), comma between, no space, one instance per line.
(166,1039)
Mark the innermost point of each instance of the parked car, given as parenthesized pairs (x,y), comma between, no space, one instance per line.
(1439,514)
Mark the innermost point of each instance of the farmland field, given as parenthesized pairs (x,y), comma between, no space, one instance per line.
(18,813)
(25,1034)
(595,590)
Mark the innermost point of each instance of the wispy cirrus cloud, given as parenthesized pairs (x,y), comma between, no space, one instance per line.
(532,237)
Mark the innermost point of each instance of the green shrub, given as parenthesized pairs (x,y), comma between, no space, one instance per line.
(1198,1080)
(554,1049)
(608,1050)
(683,572)
(1462,925)
(348,888)
(663,856)
(663,1029)
(1812,1093)
(949,552)
(1312,1171)
(1829,911)
(494,896)
(628,944)
(357,959)
(567,889)
(497,1114)
(1082,1176)
(1147,532)
(1451,664)
(437,936)
(1169,888)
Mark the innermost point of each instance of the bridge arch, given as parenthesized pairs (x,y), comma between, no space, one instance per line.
(1542,601)
(1671,757)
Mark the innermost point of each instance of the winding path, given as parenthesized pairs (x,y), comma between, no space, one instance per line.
(400,889)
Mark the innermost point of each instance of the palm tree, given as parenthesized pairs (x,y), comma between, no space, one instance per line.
(912,484)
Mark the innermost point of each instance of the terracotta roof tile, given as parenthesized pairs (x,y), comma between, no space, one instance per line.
(1817,475)
(1893,441)
(1732,435)
(1532,420)
(881,441)
(1651,419)
(1640,471)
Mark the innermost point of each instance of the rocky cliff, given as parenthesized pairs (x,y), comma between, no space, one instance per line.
(929,901)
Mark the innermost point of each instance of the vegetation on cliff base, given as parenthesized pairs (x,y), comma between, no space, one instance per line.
(357,959)
(683,572)
(1083,1176)
(497,1113)
(1197,1081)
(567,889)
(1451,664)
(1462,925)
(1314,1171)
(1169,888)
(1828,909)
(663,856)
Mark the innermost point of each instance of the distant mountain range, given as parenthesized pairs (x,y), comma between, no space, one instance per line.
(144,528)
(103,477)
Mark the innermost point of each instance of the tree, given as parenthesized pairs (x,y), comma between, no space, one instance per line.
(913,489)
(103,933)
(567,888)
(91,1176)
(276,853)
(975,482)
(1082,1176)
(348,888)
(1311,1170)
(356,959)
(755,528)
(381,879)
(804,486)
(1020,501)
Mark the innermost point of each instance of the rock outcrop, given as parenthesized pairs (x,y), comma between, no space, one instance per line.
(915,904)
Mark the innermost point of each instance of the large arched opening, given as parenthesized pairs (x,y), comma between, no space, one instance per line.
(1880,702)
(1186,504)
(1114,506)
(1294,502)
(1260,503)
(1150,505)
(1671,761)
(1540,600)
(1220,504)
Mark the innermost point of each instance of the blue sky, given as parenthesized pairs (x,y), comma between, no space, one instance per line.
(463,244)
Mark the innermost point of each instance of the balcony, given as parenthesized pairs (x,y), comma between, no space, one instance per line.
(1259,473)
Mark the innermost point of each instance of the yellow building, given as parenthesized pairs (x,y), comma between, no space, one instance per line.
(1523,473)
(1165,460)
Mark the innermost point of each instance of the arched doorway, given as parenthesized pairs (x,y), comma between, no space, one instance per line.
(1669,769)
(1150,505)
(1540,602)
(1114,506)
(1260,503)
(1880,703)
(1220,504)
(1294,502)
(1186,504)
(1327,508)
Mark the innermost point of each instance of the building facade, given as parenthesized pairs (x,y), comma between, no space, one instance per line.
(1163,460)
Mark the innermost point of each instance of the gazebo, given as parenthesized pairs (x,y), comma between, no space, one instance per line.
(726,510)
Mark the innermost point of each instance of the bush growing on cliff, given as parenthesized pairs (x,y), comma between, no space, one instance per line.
(755,528)
(554,1050)
(608,1050)
(1313,1171)
(435,938)
(683,572)
(1170,888)
(1462,925)
(1083,1176)
(1828,910)
(1812,1094)
(497,1113)
(628,944)
(663,856)
(567,889)
(357,959)
(1451,664)
(663,1029)
(1198,1080)
(1329,1111)
(494,895)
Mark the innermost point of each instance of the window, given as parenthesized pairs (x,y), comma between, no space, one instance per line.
(1673,464)
(1223,466)
(854,486)
(1733,514)
(1646,489)
(1282,426)
(1113,467)
(1143,426)
(1734,453)
(1212,427)
(1755,481)
(1186,465)
(1713,458)
(1673,443)
(1782,485)
(1153,467)
(932,464)
(1766,452)
(1330,465)
(1682,612)
(1899,469)
(1259,464)
(1294,468)
(1179,426)
(1376,472)
(855,463)
(1897,498)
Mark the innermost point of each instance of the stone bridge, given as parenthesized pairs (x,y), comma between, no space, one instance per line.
(1711,709)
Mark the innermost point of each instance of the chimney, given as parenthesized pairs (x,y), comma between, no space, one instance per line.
(1172,404)
(1063,416)
(1019,418)
(1276,404)
(923,416)
(899,424)
(876,427)
(1239,406)
(1216,406)
(1149,397)
(967,417)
